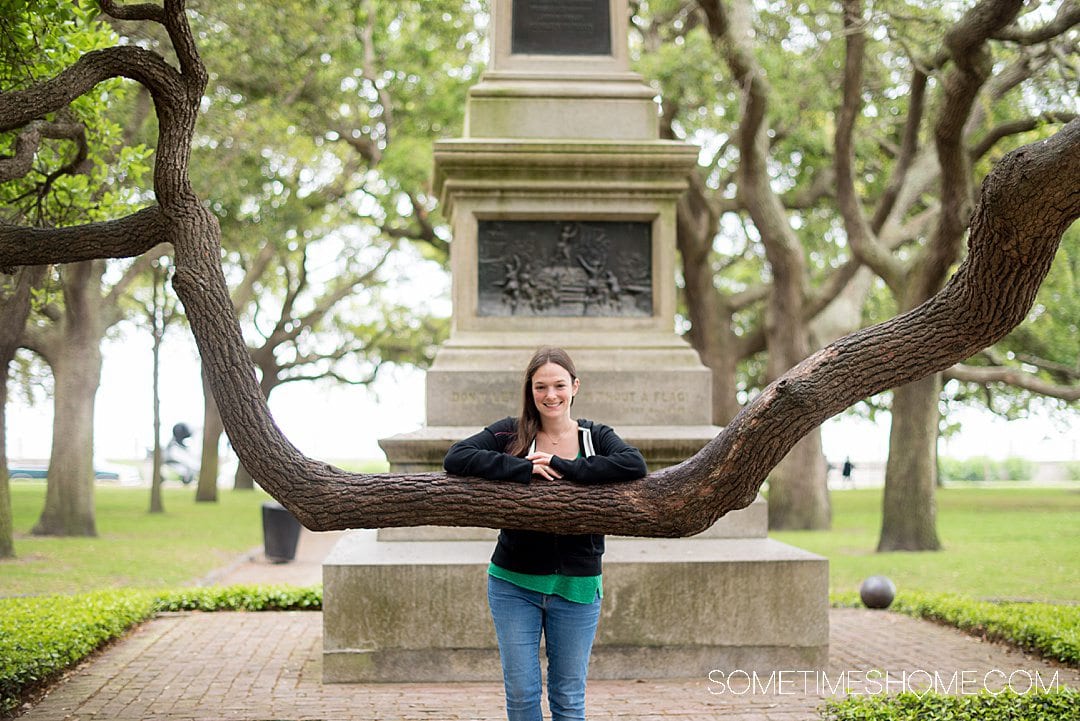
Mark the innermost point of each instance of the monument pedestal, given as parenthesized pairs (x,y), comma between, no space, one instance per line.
(563,205)
(402,609)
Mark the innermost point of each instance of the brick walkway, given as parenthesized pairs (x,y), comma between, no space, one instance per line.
(263,666)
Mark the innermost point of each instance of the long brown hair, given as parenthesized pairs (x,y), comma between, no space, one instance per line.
(529,423)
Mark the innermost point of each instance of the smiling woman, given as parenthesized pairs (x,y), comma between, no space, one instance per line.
(545,583)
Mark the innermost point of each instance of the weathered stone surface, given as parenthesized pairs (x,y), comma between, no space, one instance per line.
(410,611)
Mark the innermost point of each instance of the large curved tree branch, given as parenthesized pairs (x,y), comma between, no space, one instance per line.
(143,11)
(1027,203)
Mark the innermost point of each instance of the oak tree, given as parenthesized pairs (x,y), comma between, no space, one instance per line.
(1027,203)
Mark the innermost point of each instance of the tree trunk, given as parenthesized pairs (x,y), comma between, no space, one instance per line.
(798,489)
(723,361)
(156,505)
(69,496)
(710,322)
(211,437)
(13,314)
(801,500)
(7,529)
(243,481)
(909,511)
(73,351)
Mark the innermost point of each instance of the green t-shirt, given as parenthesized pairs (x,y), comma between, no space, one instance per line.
(579,589)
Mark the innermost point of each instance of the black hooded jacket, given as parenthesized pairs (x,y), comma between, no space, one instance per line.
(604,458)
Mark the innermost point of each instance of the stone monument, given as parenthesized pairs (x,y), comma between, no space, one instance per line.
(562,202)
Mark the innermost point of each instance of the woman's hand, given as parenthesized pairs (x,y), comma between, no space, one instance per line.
(541,463)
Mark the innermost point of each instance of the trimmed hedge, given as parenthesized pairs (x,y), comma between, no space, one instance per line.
(1059,704)
(40,636)
(241,598)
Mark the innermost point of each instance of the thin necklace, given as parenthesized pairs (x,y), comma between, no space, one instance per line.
(554,440)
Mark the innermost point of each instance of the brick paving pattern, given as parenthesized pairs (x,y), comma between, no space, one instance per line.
(262,666)
(267,666)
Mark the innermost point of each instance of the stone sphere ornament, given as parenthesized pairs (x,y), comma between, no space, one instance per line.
(877,592)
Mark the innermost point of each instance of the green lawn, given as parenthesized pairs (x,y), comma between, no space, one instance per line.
(998,544)
(133,548)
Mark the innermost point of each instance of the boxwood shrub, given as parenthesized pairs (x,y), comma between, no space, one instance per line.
(41,636)
(240,598)
(1058,704)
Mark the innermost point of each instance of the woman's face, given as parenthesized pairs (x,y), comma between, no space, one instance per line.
(553,390)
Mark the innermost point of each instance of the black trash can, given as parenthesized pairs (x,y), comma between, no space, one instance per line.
(281,531)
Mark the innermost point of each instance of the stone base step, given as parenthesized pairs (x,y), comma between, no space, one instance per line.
(417,611)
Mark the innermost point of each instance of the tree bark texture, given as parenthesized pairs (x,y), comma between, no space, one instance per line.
(909,513)
(269,379)
(1028,201)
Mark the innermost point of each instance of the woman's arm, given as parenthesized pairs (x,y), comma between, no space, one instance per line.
(482,455)
(615,460)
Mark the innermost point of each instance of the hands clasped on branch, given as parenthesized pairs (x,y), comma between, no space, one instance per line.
(542,465)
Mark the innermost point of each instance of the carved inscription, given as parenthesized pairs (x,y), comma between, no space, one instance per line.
(560,27)
(483,398)
(564,268)
(642,398)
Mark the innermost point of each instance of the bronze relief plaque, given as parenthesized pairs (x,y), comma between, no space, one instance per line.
(564,268)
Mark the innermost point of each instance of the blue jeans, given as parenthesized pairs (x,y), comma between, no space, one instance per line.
(520,616)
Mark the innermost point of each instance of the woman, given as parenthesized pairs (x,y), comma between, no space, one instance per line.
(545,583)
